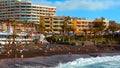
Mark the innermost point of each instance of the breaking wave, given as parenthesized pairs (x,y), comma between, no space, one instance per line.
(93,62)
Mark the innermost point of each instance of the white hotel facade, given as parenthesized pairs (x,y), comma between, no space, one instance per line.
(22,10)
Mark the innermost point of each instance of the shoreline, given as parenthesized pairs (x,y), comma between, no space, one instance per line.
(48,54)
(46,61)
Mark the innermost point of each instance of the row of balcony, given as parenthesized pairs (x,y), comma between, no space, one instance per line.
(84,27)
(23,10)
(25,6)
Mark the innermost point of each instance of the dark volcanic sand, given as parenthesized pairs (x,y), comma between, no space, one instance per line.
(45,61)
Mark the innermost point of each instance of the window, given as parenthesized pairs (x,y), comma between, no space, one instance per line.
(61,18)
(55,18)
(55,26)
(82,25)
(55,29)
(55,22)
(61,22)
(70,23)
(46,25)
(78,25)
(46,18)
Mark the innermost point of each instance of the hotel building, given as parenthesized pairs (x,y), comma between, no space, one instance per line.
(22,10)
(53,23)
(81,24)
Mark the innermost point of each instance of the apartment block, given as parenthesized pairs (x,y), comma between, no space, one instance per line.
(53,24)
(82,24)
(22,10)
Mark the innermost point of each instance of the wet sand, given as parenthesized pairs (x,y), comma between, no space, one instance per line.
(40,62)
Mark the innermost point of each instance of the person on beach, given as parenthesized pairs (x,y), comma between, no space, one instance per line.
(94,42)
(22,56)
(45,53)
(8,53)
(69,54)
(83,44)
(15,57)
(109,42)
(21,51)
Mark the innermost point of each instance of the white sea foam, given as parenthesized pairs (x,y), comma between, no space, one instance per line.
(81,62)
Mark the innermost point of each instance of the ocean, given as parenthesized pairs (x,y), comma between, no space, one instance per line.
(93,62)
(104,60)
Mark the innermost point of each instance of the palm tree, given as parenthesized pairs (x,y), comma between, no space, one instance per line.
(42,25)
(99,25)
(66,22)
(65,25)
(113,29)
(25,24)
(14,25)
(85,32)
(14,35)
(69,28)
(8,23)
(51,24)
(63,28)
(95,31)
(91,31)
(32,25)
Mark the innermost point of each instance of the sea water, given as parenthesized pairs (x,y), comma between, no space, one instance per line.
(66,61)
(93,62)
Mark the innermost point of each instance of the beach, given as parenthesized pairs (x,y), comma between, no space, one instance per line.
(41,61)
(46,61)
(52,55)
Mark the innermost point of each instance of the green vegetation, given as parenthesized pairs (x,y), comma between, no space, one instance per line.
(42,25)
(100,39)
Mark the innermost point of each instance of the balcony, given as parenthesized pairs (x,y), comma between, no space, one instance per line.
(47,27)
(56,27)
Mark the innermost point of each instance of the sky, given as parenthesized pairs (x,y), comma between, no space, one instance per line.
(89,9)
